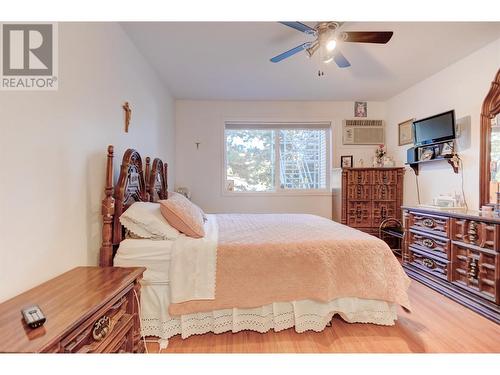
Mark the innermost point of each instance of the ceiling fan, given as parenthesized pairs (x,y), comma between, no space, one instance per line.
(327,35)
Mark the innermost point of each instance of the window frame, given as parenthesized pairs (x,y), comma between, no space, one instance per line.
(278,190)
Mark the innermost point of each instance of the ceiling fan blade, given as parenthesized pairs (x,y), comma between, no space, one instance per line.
(300,27)
(291,52)
(381,37)
(340,59)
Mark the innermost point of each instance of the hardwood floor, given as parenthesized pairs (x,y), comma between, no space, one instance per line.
(436,324)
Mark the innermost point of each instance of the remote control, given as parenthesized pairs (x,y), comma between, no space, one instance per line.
(33,316)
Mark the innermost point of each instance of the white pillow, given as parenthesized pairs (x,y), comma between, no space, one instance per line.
(145,220)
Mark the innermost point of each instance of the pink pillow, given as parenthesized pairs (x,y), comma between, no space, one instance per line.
(183,215)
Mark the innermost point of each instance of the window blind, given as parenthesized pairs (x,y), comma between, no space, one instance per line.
(238,125)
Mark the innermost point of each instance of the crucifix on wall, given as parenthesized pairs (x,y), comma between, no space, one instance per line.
(128,115)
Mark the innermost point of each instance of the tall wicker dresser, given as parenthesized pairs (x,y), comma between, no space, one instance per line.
(370,195)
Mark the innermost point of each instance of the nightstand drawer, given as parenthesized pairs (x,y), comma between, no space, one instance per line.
(120,340)
(100,329)
(122,343)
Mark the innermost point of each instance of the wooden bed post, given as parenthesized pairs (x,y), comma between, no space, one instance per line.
(147,179)
(107,210)
(166,178)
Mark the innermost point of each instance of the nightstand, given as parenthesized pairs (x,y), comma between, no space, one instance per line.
(88,310)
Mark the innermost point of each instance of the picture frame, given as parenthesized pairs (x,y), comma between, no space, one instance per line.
(405,132)
(447,149)
(346,161)
(360,109)
(427,154)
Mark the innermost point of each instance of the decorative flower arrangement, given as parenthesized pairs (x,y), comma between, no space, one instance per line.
(380,153)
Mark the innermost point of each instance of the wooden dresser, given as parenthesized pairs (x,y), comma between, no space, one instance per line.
(457,254)
(370,195)
(88,310)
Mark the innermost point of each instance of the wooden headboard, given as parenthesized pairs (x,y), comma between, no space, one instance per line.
(156,182)
(132,186)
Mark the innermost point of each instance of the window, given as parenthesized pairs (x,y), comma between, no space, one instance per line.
(250,159)
(276,157)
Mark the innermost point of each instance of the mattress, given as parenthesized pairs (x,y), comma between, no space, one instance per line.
(155,255)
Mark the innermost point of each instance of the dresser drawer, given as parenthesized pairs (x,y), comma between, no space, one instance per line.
(476,270)
(429,263)
(383,210)
(359,214)
(385,177)
(110,324)
(430,243)
(473,232)
(384,192)
(360,177)
(359,192)
(434,224)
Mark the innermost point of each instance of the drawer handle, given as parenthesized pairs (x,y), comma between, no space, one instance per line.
(429,263)
(427,242)
(429,223)
(473,270)
(383,191)
(101,328)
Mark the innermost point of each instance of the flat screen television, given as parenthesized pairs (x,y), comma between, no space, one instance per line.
(434,129)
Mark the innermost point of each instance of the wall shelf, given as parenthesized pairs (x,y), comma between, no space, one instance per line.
(416,165)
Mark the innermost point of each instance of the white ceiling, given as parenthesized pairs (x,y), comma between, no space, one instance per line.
(230,60)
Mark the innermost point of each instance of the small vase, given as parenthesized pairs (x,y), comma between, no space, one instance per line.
(379,162)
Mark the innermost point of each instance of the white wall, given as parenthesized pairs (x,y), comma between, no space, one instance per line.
(202,170)
(462,87)
(54,151)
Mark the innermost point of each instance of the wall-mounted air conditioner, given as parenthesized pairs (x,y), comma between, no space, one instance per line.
(363,132)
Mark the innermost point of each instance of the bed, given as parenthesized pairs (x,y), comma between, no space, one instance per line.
(250,271)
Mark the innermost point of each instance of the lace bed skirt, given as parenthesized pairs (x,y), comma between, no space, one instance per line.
(304,315)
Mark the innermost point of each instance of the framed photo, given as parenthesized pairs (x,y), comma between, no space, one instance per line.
(427,154)
(405,132)
(447,149)
(346,161)
(360,109)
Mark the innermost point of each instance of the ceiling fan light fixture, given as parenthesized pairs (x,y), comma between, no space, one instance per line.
(331,44)
(328,34)
(327,43)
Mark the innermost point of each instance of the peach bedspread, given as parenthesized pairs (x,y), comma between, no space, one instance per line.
(265,258)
